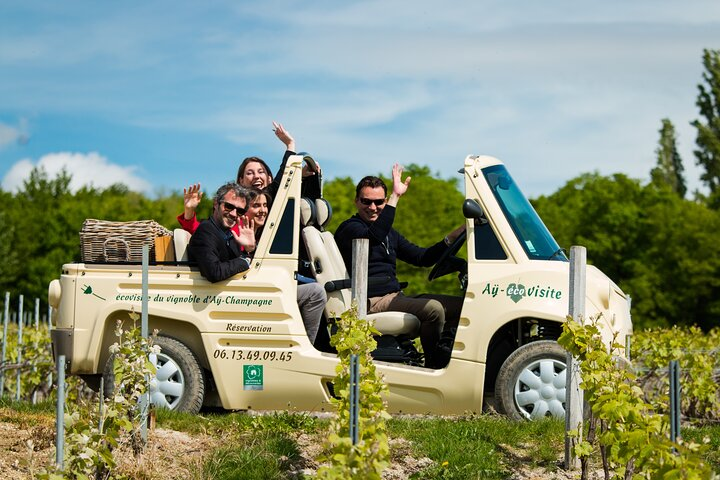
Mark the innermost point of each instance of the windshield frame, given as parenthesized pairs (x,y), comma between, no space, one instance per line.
(529,229)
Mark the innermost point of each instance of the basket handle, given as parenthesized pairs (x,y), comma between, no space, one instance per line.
(117,239)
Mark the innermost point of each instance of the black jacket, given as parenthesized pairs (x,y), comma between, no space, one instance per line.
(273,188)
(386,246)
(218,256)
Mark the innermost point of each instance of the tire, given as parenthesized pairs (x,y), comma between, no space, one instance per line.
(179,383)
(531,382)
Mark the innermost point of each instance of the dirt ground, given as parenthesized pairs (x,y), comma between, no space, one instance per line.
(27,444)
(26,450)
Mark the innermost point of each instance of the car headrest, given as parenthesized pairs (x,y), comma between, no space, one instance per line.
(308,212)
(323,212)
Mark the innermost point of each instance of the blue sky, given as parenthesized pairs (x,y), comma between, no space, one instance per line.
(161,94)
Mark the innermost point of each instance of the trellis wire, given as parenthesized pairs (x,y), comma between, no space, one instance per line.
(37,327)
(354,398)
(49,324)
(6,318)
(674,400)
(19,347)
(23,319)
(60,413)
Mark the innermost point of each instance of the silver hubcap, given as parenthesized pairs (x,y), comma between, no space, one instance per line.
(540,389)
(166,388)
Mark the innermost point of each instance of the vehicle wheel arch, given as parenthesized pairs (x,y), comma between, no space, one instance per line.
(180,330)
(512,335)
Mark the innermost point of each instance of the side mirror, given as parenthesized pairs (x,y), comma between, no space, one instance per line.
(472,209)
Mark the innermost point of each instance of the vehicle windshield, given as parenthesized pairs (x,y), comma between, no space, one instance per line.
(532,233)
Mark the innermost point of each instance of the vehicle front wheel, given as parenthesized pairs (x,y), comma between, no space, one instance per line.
(531,382)
(178,384)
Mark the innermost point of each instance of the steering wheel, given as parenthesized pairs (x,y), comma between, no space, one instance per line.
(448,262)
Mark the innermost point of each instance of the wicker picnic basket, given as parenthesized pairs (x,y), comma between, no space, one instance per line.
(106,241)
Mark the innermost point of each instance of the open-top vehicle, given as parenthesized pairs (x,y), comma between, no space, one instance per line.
(241,343)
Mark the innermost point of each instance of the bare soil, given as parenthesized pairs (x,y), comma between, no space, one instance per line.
(27,445)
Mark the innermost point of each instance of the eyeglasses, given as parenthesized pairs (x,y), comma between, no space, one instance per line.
(369,201)
(229,207)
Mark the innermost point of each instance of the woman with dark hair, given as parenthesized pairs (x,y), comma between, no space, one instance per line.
(258,209)
(253,172)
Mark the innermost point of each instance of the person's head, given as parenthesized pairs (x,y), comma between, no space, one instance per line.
(229,204)
(370,197)
(258,207)
(254,172)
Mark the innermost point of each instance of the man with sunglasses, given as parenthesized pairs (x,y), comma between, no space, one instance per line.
(438,314)
(217,250)
(215,246)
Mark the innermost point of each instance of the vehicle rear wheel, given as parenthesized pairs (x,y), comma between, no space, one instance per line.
(531,382)
(179,383)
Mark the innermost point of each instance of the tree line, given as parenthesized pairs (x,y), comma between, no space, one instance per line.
(658,243)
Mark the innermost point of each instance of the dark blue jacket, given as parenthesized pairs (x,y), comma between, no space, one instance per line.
(386,246)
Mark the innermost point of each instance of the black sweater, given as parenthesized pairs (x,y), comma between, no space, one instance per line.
(217,254)
(386,246)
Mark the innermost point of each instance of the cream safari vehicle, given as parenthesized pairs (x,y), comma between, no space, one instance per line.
(241,343)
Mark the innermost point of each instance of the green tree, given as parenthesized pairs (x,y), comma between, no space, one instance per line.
(599,213)
(658,247)
(43,220)
(39,215)
(669,169)
(340,192)
(708,131)
(10,264)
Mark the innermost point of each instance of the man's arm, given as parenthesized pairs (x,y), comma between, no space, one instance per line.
(204,249)
(425,257)
(452,236)
(399,186)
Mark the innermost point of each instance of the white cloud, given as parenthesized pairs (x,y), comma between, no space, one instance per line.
(86,169)
(10,134)
(554,90)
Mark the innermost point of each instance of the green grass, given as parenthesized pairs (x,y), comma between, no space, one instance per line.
(487,447)
(263,456)
(254,447)
(45,406)
(698,435)
(216,422)
(484,447)
(468,447)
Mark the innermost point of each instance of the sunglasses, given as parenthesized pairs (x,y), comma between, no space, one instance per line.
(368,201)
(229,207)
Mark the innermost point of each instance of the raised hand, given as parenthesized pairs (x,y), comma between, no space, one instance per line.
(308,171)
(399,187)
(284,136)
(246,237)
(191,198)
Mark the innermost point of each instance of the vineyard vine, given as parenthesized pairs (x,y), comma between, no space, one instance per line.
(368,458)
(629,432)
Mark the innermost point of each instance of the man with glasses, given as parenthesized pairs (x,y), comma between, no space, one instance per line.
(438,314)
(221,253)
